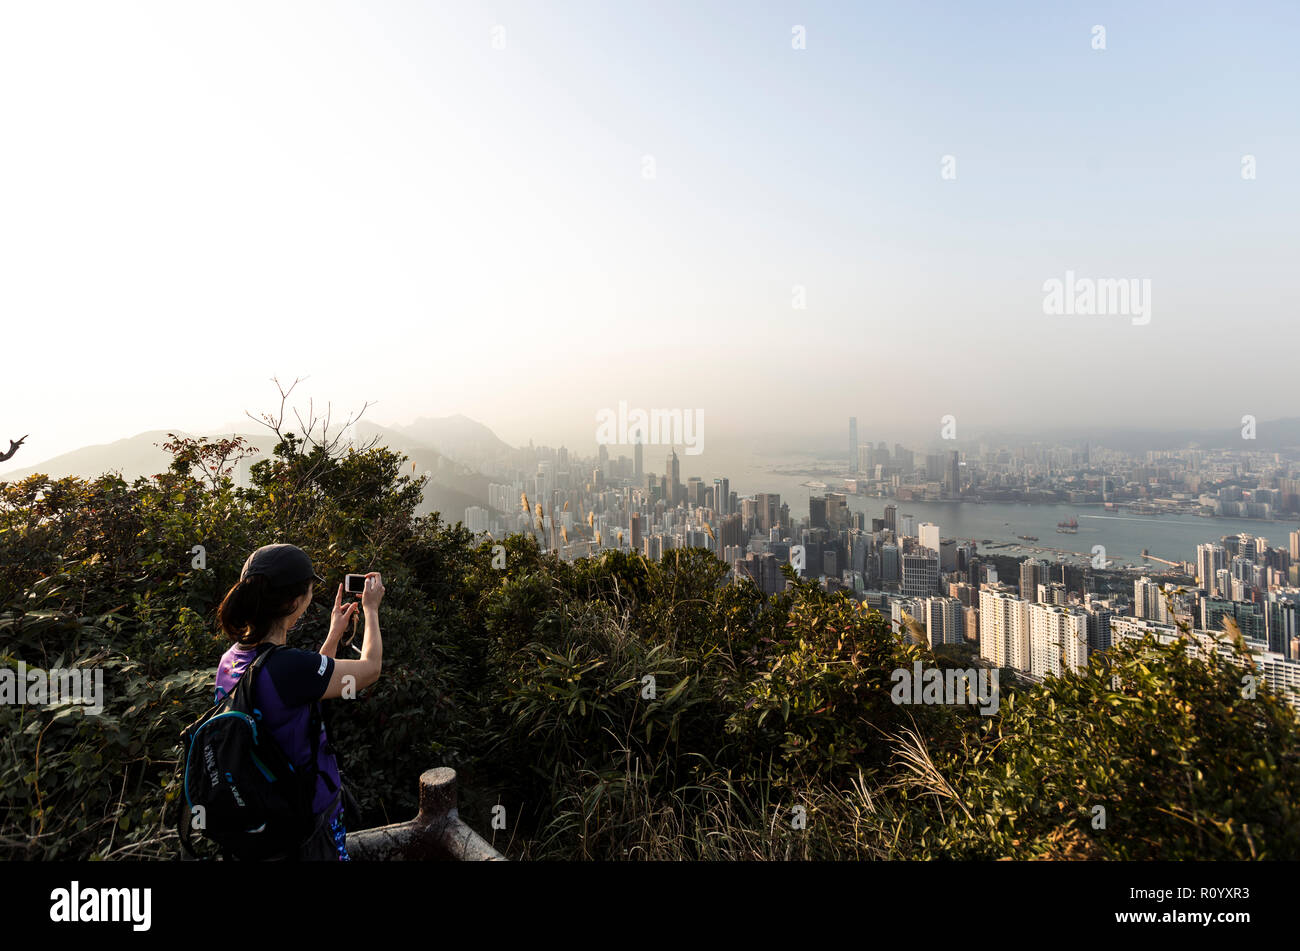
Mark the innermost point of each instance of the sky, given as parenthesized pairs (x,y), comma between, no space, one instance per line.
(448,208)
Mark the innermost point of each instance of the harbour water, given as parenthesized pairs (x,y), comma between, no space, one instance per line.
(1124,536)
(1172,537)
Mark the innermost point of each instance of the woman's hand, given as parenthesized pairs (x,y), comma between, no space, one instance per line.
(342,614)
(354,674)
(373,592)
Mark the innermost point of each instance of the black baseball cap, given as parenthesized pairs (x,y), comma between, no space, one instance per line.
(282,564)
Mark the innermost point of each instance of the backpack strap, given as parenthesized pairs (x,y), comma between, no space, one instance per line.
(246,678)
(184,828)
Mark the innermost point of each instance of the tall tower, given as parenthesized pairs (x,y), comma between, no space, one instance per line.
(1032,573)
(1146,600)
(638,460)
(1210,559)
(1004,629)
(674,472)
(853,445)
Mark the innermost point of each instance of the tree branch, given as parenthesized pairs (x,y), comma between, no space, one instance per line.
(13,448)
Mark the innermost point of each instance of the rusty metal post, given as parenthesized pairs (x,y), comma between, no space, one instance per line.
(435,834)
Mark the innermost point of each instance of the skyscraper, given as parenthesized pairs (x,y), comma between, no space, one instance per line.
(920,574)
(762,569)
(476,519)
(889,563)
(837,511)
(1210,558)
(933,467)
(769,510)
(853,444)
(1032,573)
(638,464)
(1282,619)
(891,517)
(673,470)
(694,491)
(1146,600)
(1004,628)
(1058,639)
(929,535)
(945,621)
(953,475)
(1099,615)
(1052,592)
(731,531)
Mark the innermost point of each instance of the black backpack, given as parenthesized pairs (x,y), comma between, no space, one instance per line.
(251,801)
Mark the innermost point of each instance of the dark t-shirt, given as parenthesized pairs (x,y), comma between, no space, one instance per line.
(297,678)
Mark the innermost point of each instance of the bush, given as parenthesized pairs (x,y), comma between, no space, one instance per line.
(618,707)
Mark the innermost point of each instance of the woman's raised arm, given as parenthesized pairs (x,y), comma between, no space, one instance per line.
(354,675)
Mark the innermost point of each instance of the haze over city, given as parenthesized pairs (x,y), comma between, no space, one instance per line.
(525,217)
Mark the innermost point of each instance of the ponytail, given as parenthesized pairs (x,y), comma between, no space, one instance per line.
(251,608)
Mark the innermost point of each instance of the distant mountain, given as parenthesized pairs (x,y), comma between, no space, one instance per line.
(458,437)
(452,486)
(135,456)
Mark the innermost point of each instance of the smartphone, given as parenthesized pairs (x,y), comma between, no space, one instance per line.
(354,584)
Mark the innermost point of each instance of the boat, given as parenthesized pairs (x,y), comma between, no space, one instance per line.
(1028,538)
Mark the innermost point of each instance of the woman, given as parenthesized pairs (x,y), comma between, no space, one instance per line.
(274,591)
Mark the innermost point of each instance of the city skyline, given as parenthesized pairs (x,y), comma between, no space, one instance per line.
(818,440)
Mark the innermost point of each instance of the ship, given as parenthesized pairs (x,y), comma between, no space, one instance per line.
(1028,538)
(1070,527)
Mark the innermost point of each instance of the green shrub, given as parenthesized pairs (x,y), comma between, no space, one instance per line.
(618,707)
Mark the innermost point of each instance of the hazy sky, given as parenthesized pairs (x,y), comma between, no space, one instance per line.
(194,197)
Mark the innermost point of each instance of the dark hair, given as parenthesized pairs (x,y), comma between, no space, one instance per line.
(252,607)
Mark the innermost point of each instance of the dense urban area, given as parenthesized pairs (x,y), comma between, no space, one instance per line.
(1036,615)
